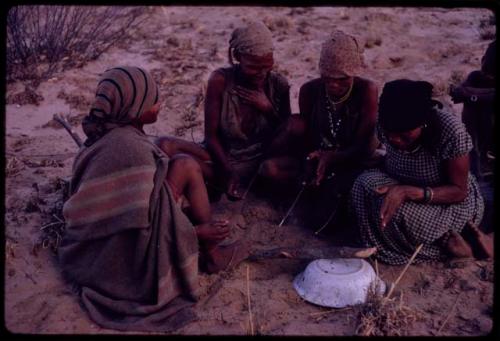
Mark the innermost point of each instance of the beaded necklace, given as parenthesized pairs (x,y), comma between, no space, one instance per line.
(331,109)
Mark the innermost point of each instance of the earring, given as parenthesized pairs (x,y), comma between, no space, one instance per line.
(233,57)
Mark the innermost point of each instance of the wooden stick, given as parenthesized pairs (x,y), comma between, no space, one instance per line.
(248,299)
(214,289)
(250,185)
(449,314)
(328,221)
(62,121)
(404,270)
(50,224)
(293,205)
(329,311)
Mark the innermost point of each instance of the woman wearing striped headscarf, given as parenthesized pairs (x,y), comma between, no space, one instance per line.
(128,245)
(245,103)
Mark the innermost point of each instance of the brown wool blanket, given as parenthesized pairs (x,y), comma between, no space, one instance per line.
(128,246)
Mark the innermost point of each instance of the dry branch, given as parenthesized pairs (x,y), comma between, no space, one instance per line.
(58,118)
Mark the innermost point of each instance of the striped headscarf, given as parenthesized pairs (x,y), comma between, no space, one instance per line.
(340,56)
(122,95)
(254,39)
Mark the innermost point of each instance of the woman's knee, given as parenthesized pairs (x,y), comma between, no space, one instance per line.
(269,169)
(168,145)
(295,125)
(184,164)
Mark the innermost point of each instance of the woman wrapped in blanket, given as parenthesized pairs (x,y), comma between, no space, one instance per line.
(424,193)
(128,245)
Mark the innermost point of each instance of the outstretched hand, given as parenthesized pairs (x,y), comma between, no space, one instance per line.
(395,195)
(325,159)
(214,231)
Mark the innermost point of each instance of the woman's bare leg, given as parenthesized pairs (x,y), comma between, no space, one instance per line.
(173,146)
(289,137)
(283,170)
(185,174)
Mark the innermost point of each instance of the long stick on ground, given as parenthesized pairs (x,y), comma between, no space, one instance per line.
(293,205)
(449,314)
(62,121)
(248,300)
(404,271)
(250,184)
(328,221)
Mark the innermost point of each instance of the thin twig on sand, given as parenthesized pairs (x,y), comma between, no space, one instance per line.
(449,314)
(393,286)
(248,300)
(320,313)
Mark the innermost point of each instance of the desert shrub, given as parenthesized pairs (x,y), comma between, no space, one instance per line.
(42,40)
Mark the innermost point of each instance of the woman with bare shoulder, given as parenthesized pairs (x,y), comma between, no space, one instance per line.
(245,103)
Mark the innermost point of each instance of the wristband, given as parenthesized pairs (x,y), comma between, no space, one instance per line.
(428,195)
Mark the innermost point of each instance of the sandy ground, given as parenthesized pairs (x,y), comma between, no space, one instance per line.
(181,46)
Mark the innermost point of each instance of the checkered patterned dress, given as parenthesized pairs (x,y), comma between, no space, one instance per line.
(415,223)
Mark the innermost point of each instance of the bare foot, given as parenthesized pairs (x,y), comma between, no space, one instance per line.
(213,232)
(234,191)
(481,242)
(225,257)
(456,245)
(351,252)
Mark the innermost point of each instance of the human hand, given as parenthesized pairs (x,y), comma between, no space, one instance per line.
(256,98)
(395,195)
(214,231)
(324,158)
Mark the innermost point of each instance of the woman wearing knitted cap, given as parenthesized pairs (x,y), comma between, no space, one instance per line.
(338,113)
(128,246)
(424,193)
(244,105)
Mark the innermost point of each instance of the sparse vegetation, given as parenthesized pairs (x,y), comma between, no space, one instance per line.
(42,40)
(383,316)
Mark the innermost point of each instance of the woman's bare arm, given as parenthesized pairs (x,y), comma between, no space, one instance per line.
(213,105)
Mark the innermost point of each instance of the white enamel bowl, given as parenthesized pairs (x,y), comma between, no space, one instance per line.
(338,282)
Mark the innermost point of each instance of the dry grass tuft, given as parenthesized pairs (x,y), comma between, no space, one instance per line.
(13,166)
(190,118)
(28,96)
(53,229)
(382,316)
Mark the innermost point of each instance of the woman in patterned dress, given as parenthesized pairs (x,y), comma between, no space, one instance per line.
(424,193)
